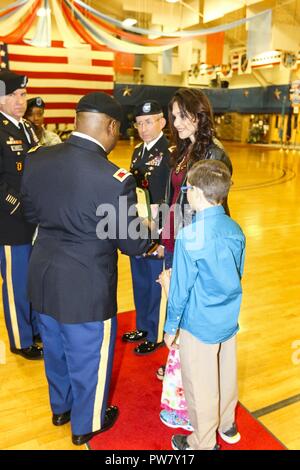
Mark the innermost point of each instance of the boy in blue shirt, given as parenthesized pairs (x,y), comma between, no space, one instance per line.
(204,304)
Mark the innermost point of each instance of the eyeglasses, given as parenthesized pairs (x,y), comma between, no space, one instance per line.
(146,123)
(184,189)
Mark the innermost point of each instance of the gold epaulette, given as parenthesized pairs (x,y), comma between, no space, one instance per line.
(138,145)
(33,149)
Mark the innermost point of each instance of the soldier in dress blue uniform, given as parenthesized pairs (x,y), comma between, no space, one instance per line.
(16,137)
(73,192)
(150,167)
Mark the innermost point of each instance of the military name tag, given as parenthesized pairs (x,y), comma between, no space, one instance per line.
(17,148)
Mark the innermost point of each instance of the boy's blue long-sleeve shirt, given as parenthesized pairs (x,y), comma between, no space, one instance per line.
(205,291)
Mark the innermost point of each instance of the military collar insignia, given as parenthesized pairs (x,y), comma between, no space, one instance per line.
(33,149)
(5,122)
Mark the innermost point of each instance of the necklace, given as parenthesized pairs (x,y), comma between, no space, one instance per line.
(181,165)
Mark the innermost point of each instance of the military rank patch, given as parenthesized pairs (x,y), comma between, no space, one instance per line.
(11,199)
(121,174)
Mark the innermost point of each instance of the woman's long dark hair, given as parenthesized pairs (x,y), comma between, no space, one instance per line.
(192,103)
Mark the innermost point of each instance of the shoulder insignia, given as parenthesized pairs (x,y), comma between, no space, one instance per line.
(33,149)
(121,174)
(138,145)
(172,148)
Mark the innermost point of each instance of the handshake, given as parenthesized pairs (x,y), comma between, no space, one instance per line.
(155,249)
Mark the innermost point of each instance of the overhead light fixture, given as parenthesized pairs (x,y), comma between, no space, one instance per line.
(129,22)
(172,1)
(43,12)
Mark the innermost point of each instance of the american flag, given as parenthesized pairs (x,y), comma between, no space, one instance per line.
(60,75)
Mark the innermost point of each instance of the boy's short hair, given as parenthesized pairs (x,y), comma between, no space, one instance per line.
(213,178)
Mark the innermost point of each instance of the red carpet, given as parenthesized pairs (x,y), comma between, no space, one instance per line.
(136,391)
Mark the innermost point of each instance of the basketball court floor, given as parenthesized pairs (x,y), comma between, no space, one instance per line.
(265,201)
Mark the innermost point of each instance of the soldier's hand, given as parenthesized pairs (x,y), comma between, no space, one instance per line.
(160,251)
(164,280)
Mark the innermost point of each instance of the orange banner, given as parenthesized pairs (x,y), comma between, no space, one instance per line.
(124,62)
(214,48)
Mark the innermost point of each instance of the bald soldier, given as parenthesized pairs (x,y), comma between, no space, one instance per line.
(73,267)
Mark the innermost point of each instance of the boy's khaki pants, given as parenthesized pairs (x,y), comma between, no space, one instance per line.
(209,376)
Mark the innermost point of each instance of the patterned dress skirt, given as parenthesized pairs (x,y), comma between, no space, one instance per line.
(173,398)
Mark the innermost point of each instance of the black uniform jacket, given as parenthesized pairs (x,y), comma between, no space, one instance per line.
(14,230)
(73,273)
(151,170)
(183,212)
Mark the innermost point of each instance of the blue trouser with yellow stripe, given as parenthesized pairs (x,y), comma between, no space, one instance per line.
(20,321)
(147,295)
(78,361)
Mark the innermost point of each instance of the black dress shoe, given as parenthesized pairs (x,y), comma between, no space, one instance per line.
(147,347)
(32,353)
(62,418)
(133,336)
(111,415)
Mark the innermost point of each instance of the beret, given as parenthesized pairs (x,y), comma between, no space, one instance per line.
(35,102)
(99,102)
(147,108)
(10,82)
